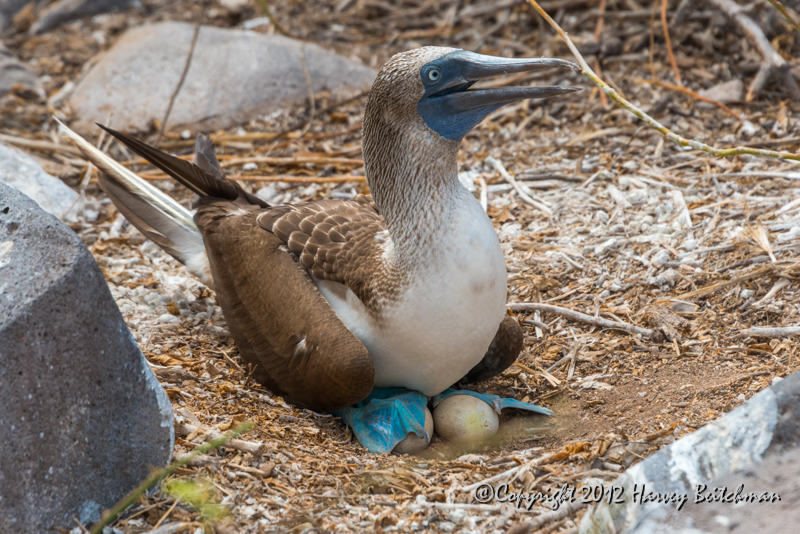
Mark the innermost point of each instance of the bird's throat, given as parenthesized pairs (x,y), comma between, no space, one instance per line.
(414,181)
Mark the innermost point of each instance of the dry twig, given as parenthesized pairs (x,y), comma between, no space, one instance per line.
(616,97)
(786,14)
(773,64)
(668,41)
(548,517)
(696,96)
(180,82)
(769,332)
(579,317)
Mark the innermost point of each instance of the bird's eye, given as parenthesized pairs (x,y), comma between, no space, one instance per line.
(434,74)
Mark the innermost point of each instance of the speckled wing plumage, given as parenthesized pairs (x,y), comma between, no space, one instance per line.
(280,321)
(337,240)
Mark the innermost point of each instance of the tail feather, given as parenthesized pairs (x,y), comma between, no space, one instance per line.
(157,215)
(206,158)
(204,177)
(195,178)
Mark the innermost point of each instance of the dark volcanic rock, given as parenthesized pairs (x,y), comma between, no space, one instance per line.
(757,446)
(82,417)
(22,172)
(234,75)
(15,74)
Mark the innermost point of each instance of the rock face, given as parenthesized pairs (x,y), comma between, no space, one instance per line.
(22,172)
(9,8)
(15,73)
(62,11)
(757,445)
(234,75)
(82,417)
(58,12)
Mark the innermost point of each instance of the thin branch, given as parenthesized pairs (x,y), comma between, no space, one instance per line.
(547,517)
(615,96)
(600,18)
(500,168)
(687,91)
(770,332)
(278,27)
(290,129)
(311,98)
(579,317)
(180,83)
(668,41)
(786,14)
(256,448)
(773,61)
(289,179)
(653,38)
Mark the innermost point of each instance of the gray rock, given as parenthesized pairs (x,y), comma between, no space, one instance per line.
(63,11)
(756,444)
(82,418)
(234,75)
(9,8)
(727,93)
(14,72)
(22,172)
(778,474)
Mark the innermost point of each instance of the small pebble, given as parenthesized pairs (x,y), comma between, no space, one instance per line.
(630,166)
(792,234)
(660,258)
(168,318)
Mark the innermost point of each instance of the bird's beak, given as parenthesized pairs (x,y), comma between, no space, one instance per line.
(473,67)
(451,108)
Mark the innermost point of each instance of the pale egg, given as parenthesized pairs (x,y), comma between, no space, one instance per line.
(465,418)
(413,443)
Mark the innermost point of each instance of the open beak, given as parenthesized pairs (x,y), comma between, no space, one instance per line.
(451,108)
(472,67)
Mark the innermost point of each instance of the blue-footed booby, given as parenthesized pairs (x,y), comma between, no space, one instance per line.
(330,299)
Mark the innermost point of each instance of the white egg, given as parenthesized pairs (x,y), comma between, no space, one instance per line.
(413,443)
(465,418)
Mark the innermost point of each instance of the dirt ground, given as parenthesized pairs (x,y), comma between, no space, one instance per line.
(635,229)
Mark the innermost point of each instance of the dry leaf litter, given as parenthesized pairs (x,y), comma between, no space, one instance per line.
(595,212)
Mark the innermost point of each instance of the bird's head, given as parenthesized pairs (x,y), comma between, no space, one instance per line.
(429,90)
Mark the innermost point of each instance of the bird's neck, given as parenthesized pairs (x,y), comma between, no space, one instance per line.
(414,182)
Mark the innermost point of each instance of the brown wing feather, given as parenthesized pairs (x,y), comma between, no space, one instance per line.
(335,240)
(277,316)
(208,181)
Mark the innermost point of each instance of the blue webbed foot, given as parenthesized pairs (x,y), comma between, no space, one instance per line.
(387,417)
(467,416)
(495,401)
